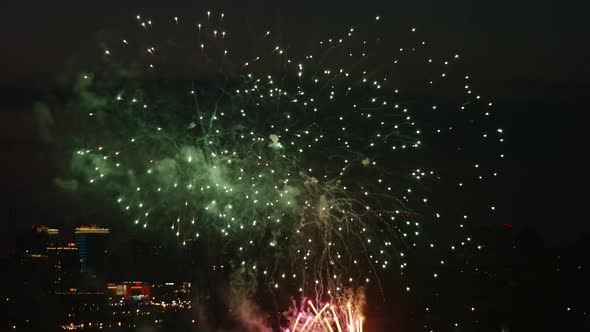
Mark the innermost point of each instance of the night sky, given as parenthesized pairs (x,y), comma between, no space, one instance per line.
(529,56)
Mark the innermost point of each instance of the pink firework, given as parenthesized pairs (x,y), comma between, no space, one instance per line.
(329,318)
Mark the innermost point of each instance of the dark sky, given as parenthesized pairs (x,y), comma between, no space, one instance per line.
(529,55)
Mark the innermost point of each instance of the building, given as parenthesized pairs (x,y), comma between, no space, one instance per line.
(64,263)
(91,244)
(35,259)
(140,292)
(129,292)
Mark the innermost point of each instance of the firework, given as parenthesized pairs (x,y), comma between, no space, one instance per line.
(310,170)
(327,318)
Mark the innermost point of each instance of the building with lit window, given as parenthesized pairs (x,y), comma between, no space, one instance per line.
(64,263)
(91,244)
